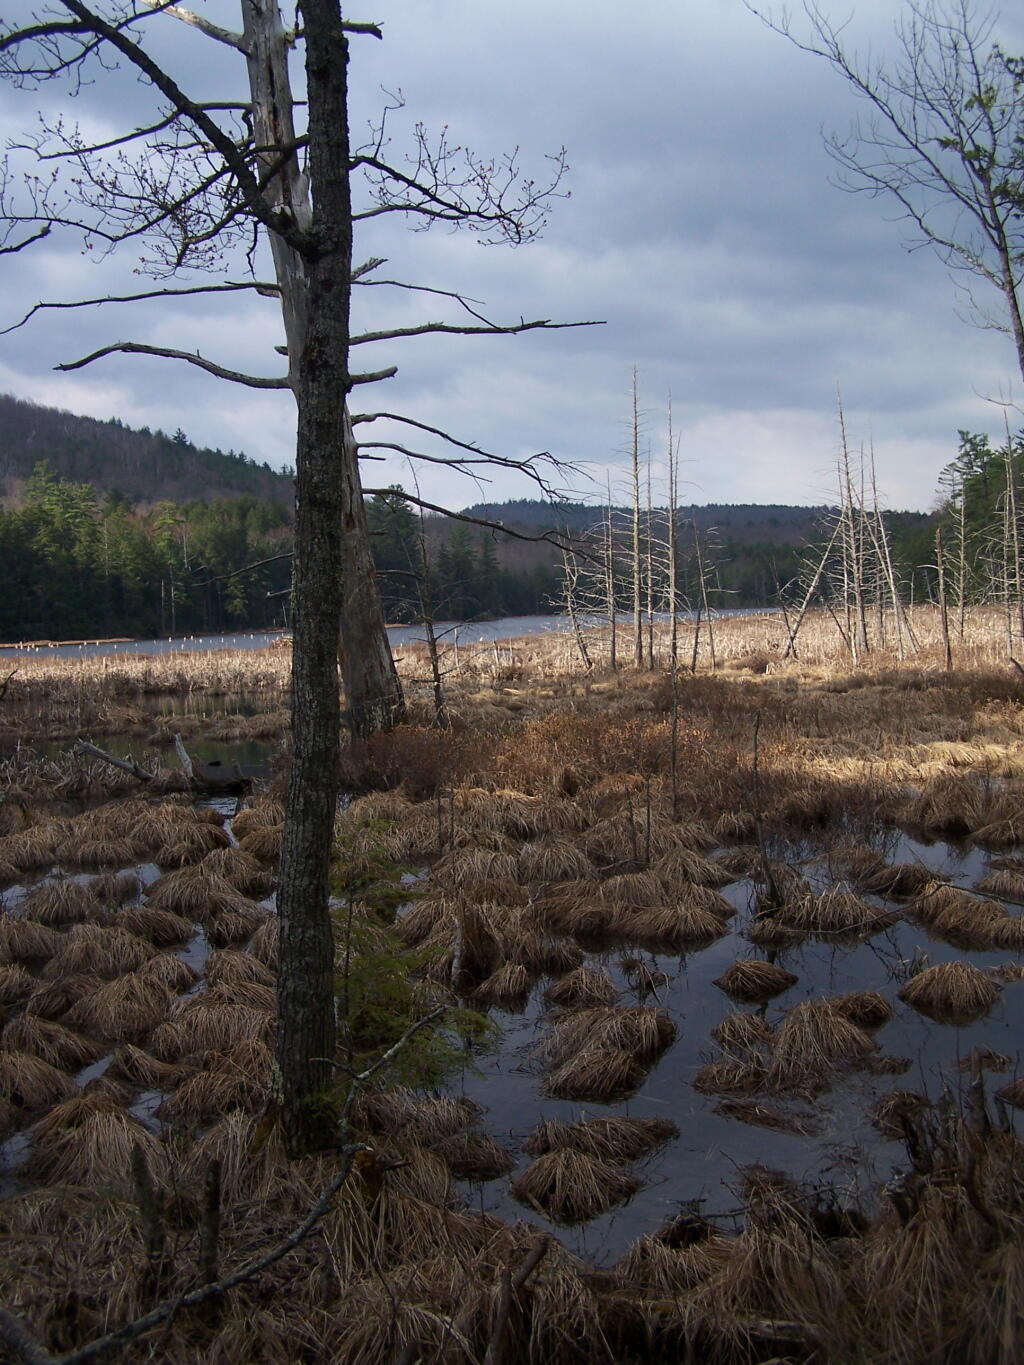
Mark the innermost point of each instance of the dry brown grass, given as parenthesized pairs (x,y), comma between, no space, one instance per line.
(236,1078)
(263,844)
(29,1082)
(584,986)
(677,928)
(836,912)
(1004,883)
(102,951)
(951,993)
(867,1009)
(15,984)
(812,1043)
(239,869)
(61,901)
(228,967)
(641,1030)
(741,1032)
(613,1139)
(53,999)
(50,1042)
(765,1116)
(113,889)
(596,1073)
(753,981)
(572,1187)
(162,928)
(170,970)
(133,1064)
(125,1010)
(474,1156)
(96,1153)
(506,988)
(21,941)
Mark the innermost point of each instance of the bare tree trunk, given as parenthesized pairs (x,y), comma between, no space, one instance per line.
(638,625)
(940,568)
(609,570)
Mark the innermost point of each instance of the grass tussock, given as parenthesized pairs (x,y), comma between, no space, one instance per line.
(60,902)
(766,1116)
(541,954)
(53,999)
(97,1152)
(741,1033)
(16,984)
(232,927)
(812,1043)
(674,928)
(570,1187)
(753,981)
(99,950)
(1003,883)
(125,1010)
(730,1076)
(867,1009)
(474,1156)
(50,1042)
(171,971)
(189,892)
(836,911)
(597,1074)
(583,987)
(553,859)
(29,1082)
(263,844)
(113,889)
(138,1067)
(239,869)
(23,942)
(951,993)
(263,945)
(162,928)
(507,988)
(615,1138)
(770,934)
(227,967)
(642,1030)
(428,1120)
(1012,1094)
(236,1078)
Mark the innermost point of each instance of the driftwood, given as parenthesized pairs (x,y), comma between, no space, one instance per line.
(206,777)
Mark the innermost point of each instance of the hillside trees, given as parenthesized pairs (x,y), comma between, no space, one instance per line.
(942,140)
(201,184)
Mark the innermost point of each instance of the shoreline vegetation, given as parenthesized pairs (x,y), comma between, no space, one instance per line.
(591,851)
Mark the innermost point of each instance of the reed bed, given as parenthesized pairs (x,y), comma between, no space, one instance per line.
(951,993)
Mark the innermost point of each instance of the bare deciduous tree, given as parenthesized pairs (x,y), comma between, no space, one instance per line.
(941,138)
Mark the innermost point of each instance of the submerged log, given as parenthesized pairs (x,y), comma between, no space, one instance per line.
(202,777)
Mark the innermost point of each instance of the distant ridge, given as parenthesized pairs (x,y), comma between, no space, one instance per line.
(145,466)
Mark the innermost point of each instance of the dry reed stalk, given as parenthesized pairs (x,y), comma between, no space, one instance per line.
(124,1010)
(638,1029)
(228,967)
(162,928)
(571,1187)
(730,1077)
(742,1032)
(133,1064)
(231,927)
(52,1000)
(474,1156)
(22,941)
(753,981)
(26,1080)
(553,860)
(505,988)
(94,948)
(615,1138)
(812,1042)
(584,986)
(763,1116)
(951,993)
(595,1073)
(61,901)
(15,984)
(867,1009)
(171,971)
(97,1154)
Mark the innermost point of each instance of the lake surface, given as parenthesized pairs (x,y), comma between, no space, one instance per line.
(448,632)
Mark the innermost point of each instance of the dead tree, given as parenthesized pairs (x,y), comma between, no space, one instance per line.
(193,187)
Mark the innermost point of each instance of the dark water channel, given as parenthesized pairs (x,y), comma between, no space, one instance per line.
(846,1152)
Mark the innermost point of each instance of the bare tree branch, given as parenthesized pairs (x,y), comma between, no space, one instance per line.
(190,358)
(259,286)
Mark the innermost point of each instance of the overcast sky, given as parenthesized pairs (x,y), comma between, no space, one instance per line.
(701,227)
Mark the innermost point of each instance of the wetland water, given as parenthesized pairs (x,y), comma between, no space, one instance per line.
(448,632)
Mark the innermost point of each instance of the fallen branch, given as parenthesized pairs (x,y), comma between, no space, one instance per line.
(124,765)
